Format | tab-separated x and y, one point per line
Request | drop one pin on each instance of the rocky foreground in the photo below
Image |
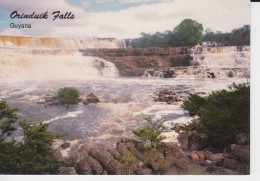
134	158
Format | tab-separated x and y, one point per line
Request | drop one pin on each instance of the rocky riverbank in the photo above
134	158
134	61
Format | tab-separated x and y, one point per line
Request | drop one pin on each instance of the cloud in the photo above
142	1
104	1
223	15
85	4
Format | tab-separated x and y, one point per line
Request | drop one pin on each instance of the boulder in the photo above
233	165
194	156
94	165
65	145
67	171
240	152
57	154
153	165
122	149
107	161
218	157
83	167
115	154
92	98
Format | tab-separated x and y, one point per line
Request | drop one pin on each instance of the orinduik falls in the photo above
125	87
127	82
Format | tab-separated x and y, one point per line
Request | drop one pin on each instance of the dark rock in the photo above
233	164
115	154
240	152
92	98
223	171
194	156
167	149
106	160
94	165
147	171
83	167
187	166
67	171
153	165
218	157
242	139
65	145
68	106
57	154
85	102
122	149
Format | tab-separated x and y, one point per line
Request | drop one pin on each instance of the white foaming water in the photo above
26	58
57	43
25	65
216	57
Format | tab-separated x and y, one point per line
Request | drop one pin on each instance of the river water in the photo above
29	73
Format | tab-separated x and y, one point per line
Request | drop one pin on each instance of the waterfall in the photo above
58	43
52	59
210	60
216	57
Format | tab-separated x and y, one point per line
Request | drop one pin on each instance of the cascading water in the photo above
52	59
210	61
219	57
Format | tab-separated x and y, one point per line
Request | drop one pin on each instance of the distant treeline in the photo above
189	33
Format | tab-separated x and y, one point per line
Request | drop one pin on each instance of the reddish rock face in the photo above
134	61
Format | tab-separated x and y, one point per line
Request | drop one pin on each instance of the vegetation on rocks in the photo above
68	95
222	114
32	155
151	133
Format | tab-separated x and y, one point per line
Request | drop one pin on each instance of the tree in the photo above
151	132
33	155
68	95
188	33
222	114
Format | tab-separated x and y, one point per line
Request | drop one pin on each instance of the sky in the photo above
120	18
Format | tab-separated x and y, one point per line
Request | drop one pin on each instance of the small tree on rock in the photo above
151	132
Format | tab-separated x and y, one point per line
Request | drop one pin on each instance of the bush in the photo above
193	104
127	163
222	115
68	95
31	156
151	133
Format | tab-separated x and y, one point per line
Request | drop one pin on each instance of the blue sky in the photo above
122	18
110	5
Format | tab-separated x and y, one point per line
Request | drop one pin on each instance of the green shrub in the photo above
127	163
31	156
193	103
68	95
223	114
164	166
151	132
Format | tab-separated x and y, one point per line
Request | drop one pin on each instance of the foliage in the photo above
240	36
151	132
150	154
68	95
193	103
223	114
128	161
189	33
31	156
164	166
